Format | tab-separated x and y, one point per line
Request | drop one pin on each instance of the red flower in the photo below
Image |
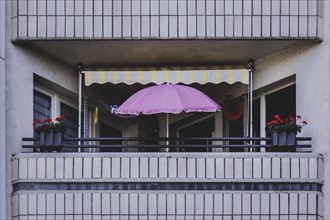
282	121
36	122
48	120
269	123
61	117
298	116
304	122
274	122
277	117
292	118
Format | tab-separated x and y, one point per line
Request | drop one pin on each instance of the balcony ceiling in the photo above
130	53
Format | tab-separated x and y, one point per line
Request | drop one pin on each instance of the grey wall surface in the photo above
144	19
2	114
310	65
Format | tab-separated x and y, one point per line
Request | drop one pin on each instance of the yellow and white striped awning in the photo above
174	75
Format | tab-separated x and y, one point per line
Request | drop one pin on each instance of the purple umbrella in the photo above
167	98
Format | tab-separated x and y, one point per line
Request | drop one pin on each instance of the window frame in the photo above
56	100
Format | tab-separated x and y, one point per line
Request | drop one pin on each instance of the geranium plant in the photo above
293	125
44	126
288	124
48	125
59	125
276	124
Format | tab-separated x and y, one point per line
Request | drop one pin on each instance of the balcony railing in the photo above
175	144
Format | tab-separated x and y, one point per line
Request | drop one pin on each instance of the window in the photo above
50	104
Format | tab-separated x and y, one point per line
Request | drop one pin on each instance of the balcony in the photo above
167	185
53	25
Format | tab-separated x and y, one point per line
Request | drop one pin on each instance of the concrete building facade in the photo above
43	41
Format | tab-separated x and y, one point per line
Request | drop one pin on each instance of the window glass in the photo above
41	106
71	122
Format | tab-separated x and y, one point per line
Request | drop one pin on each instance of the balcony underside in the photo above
128	53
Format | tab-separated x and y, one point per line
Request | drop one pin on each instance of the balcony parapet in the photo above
167	185
168	168
156	19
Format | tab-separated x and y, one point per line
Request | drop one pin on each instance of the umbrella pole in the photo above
167	132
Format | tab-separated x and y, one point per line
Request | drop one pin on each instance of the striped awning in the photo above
174	75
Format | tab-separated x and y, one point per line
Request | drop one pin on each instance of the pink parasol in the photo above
167	98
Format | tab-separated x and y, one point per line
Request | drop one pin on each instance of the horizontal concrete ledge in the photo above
169	155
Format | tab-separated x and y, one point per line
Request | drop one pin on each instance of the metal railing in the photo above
174	143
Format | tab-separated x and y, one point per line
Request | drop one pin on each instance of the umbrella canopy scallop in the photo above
167	98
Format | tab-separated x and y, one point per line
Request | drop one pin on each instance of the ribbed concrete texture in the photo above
130	19
83	185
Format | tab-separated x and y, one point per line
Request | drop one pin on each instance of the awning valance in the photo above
174	75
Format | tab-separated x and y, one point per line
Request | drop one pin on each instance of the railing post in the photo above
126	145
207	145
